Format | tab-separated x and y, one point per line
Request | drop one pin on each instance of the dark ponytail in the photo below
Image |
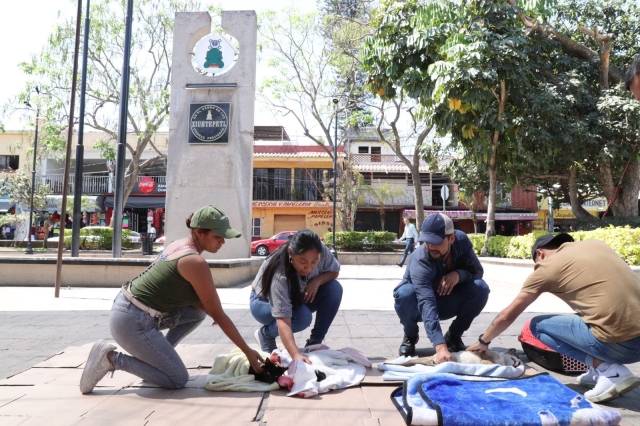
279	261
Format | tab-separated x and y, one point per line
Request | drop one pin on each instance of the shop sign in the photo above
289	204
209	123
146	185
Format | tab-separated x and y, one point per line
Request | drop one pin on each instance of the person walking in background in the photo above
297	279
443	280
411	235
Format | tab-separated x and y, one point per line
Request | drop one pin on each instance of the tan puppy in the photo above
509	358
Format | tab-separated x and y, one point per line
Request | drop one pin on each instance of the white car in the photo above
87	232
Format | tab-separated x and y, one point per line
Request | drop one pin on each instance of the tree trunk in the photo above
493	174
493	187
417	193
382	217
625	202
576	207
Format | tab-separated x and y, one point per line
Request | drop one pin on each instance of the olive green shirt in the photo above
596	283
161	287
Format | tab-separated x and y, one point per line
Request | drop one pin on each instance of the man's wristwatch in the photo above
482	342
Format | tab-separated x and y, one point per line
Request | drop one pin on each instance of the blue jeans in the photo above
326	304
153	357
570	336
407	250
465	303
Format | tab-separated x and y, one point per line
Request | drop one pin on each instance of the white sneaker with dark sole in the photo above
97	366
588	379
613	381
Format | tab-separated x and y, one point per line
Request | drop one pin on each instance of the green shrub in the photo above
361	241
98	239
477	240
607	222
623	240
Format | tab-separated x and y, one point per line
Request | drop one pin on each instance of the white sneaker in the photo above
97	366
613	381
588	379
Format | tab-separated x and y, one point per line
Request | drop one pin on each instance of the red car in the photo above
264	247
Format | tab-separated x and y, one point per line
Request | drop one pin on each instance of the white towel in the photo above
343	368
395	372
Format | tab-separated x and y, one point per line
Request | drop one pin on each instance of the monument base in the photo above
19	271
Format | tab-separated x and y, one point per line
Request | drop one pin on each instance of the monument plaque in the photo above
209	123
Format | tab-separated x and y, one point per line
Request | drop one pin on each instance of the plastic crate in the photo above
546	357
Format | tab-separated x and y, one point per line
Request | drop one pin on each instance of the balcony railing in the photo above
375	158
287	190
91	185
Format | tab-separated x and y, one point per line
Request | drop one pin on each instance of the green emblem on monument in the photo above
214	55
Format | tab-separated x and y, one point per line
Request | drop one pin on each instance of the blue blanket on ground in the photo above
446	399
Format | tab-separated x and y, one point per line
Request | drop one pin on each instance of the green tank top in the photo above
161	287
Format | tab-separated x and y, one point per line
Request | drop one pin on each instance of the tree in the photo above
303	79
472	180
149	81
349	190
465	64
595	40
383	193
16	186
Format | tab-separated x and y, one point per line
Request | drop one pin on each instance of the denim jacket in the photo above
425	273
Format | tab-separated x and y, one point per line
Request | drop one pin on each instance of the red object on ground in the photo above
543	355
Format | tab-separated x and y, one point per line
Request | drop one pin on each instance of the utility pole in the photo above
77	187
335	182
118	195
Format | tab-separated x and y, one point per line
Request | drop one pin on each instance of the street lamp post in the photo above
29	249
335	183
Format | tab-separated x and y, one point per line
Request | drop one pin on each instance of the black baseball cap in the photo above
547	239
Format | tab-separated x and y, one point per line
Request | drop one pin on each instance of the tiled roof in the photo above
293	151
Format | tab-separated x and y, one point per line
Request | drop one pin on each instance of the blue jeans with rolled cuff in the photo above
153	357
325	304
569	335
465	303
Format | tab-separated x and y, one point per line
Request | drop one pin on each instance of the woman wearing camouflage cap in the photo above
175	293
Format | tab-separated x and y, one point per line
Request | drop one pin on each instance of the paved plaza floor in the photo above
44	343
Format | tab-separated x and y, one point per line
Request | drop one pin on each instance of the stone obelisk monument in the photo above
211	125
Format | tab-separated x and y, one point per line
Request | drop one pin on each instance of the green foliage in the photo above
98	239
616	221
361	241
17	187
623	240
150	69
477	240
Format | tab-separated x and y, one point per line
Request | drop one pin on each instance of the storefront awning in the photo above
468	214
139	202
6	205
510	216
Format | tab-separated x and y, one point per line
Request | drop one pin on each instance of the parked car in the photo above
264	247
89	233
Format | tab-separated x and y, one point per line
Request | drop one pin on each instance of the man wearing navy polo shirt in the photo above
443	280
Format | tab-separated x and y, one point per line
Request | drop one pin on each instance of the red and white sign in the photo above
147	184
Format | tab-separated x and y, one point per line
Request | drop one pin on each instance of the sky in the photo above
27	24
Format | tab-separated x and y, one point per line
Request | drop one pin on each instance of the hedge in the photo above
623	240
99	239
362	241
